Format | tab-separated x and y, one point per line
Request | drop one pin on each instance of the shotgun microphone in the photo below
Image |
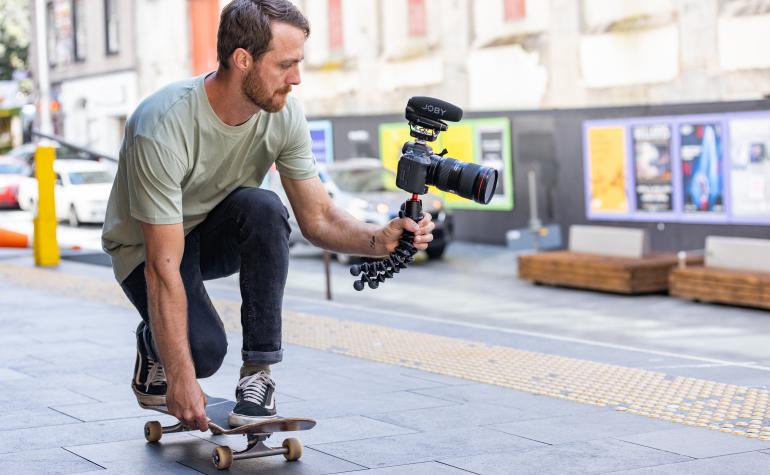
435	109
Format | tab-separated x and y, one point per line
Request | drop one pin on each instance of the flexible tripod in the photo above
375	272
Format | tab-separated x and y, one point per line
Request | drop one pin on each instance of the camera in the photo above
420	167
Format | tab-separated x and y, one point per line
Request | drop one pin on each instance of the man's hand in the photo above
186	401
385	240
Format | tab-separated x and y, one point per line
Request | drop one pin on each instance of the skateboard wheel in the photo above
293	449
222	457
153	431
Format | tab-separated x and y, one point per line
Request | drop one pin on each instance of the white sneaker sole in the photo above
237	420
148	399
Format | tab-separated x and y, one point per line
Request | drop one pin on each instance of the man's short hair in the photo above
247	24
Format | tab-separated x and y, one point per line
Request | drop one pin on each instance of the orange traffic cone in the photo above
13	239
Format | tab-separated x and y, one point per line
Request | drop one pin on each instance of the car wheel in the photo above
436	252
72	217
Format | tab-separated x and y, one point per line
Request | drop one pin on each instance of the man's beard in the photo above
254	89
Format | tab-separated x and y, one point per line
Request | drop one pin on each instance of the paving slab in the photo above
33	418
596	456
427	468
328	385
111	392
368	406
13	399
750	463
137	456
455	416
425	447
104	411
71	435
696	442
49	377
48	461
582	427
175	468
495	395
8	375
404	378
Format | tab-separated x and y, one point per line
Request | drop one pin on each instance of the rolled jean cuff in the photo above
262	357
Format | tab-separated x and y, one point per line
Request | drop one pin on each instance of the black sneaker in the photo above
149	382
255	396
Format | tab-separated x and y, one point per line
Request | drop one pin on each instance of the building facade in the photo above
106	55
368	56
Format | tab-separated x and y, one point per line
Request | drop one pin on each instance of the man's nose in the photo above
294	76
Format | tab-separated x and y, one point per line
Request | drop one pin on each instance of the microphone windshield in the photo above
435	109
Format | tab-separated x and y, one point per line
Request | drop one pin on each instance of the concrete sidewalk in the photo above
431	398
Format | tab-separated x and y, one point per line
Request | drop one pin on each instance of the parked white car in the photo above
81	191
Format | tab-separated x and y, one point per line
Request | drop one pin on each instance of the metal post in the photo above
534	219
45	244
43	81
327	259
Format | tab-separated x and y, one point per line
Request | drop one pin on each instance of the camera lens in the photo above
469	180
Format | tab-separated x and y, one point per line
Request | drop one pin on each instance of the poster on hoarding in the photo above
486	142
606	169
491	145
750	167
653	184
700	152
322	140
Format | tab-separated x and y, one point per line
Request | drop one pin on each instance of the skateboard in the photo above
256	433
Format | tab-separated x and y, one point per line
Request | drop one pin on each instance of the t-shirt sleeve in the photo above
155	177
296	159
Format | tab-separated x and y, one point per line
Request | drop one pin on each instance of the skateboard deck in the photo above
217	410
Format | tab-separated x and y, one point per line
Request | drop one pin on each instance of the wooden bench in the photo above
736	271
601	258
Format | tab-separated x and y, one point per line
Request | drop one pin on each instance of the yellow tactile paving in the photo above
694	402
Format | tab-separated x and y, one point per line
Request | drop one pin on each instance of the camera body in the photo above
413	166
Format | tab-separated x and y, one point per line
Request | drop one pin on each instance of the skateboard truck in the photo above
223	456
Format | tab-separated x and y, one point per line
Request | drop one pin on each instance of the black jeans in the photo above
247	232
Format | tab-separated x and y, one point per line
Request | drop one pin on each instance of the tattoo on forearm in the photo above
372	242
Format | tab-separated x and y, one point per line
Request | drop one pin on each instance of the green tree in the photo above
14	37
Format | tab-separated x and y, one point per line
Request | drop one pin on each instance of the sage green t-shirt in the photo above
178	161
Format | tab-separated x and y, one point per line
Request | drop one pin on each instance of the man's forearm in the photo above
168	322
341	232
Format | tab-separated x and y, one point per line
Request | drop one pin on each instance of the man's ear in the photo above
241	59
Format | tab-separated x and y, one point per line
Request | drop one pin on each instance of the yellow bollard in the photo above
45	244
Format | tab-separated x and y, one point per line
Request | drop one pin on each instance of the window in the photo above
514	10
335	25
111	27
79	25
50	19
417	18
